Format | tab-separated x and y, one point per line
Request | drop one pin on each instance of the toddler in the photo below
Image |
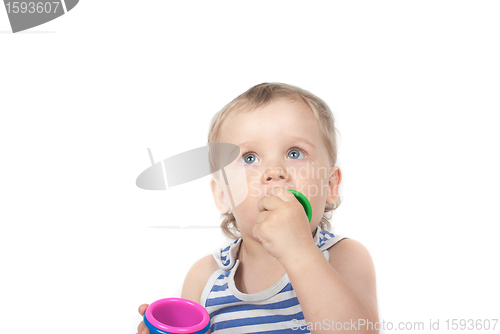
282	274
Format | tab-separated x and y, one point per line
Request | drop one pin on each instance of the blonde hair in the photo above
261	95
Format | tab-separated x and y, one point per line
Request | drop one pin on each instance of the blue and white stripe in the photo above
275	310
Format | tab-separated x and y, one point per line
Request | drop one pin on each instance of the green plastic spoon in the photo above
305	203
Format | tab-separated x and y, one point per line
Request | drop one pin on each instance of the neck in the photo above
252	251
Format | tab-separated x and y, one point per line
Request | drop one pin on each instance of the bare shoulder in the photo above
348	252
197	278
353	262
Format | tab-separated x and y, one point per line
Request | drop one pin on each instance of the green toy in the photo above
305	203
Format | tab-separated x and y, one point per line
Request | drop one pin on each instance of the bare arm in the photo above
340	289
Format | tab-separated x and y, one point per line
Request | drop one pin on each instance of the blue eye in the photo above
295	153
249	158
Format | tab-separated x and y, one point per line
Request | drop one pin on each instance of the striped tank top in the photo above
275	310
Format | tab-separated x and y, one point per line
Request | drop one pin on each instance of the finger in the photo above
142	328
269	203
257	231
262	216
281	193
143	308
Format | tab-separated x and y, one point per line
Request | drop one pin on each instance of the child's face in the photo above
286	149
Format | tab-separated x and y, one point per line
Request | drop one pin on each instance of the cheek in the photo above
316	192
318	210
247	211
255	192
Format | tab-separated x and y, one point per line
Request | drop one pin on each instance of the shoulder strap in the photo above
226	257
326	239
209	285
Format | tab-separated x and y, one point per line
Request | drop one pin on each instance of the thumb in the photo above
143	308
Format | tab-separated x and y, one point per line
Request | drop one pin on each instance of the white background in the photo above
414	87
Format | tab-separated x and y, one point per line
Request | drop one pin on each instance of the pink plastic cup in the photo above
176	316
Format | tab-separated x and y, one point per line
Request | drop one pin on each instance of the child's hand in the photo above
282	225
142	329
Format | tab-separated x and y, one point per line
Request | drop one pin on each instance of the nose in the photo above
275	174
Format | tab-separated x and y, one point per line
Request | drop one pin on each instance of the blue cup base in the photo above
154	330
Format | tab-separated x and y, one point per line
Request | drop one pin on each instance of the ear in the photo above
333	185
219	197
